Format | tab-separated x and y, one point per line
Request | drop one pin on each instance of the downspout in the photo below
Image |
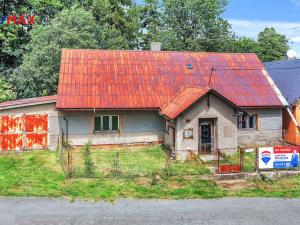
65	118
67	129
174	136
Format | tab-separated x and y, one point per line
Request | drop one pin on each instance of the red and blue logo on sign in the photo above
25	20
266	156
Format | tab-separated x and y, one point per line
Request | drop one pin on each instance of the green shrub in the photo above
88	162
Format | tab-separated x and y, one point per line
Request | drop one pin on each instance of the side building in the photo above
286	75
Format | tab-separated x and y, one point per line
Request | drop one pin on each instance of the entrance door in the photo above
206	135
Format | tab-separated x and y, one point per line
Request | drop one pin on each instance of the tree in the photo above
244	45
13	38
6	92
272	45
12	42
194	25
38	75
118	17
150	22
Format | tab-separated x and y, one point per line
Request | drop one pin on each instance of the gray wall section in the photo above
79	124
135	127
226	127
148	126
270	119
143	123
268	132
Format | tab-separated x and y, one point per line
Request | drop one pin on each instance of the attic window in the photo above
189	66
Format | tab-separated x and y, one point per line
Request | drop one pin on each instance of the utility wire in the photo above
224	69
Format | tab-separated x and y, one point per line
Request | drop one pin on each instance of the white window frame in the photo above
110	124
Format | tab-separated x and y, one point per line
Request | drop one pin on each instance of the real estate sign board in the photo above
282	157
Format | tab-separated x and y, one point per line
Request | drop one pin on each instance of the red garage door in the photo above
23	132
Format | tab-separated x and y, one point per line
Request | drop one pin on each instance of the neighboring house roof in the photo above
28	102
187	97
115	79
286	75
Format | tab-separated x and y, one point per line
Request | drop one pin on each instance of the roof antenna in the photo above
211	74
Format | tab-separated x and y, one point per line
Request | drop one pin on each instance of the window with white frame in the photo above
106	123
247	122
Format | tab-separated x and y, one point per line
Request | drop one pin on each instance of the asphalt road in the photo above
227	211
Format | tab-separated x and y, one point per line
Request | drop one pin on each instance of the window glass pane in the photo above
244	122
115	123
239	122
252	121
105	122
97	123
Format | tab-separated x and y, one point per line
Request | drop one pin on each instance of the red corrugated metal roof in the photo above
28	101
182	101
185	98
109	79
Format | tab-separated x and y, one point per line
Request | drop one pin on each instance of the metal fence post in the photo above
168	158
256	159
69	164
242	154
116	164
218	156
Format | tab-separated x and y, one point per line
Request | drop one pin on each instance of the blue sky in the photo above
249	17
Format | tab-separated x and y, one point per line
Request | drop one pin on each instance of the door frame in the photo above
213	122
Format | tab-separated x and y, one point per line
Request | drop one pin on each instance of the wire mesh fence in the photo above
152	161
128	163
236	160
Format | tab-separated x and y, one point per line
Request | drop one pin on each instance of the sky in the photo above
249	17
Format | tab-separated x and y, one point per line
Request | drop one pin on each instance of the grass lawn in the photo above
39	174
132	163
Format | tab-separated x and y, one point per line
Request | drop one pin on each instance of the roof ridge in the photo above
182	89
162	51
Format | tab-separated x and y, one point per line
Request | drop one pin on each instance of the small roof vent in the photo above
189	66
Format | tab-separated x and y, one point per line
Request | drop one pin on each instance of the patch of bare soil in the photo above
174	185
143	181
233	185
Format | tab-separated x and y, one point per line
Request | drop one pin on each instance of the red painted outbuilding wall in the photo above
23	132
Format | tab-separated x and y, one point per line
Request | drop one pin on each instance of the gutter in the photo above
27	104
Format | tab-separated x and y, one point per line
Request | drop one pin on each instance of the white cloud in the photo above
295	39
251	28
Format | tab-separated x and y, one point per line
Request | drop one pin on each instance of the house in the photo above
188	100
286	75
